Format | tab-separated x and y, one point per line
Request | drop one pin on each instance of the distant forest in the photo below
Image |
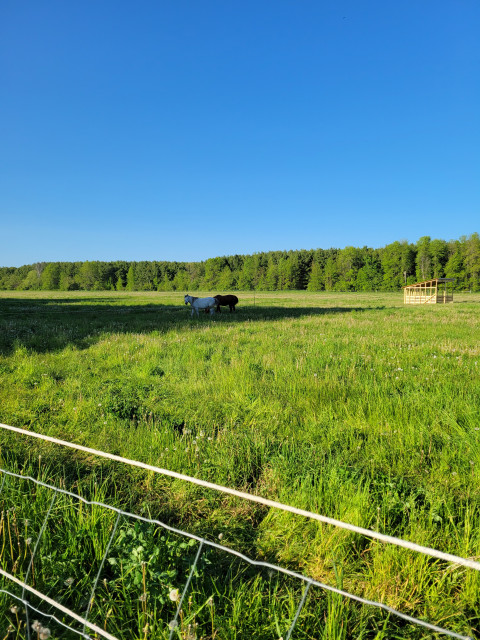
348	269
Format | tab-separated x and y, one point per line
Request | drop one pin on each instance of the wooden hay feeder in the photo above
438	290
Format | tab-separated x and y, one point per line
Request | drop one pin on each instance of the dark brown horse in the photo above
226	301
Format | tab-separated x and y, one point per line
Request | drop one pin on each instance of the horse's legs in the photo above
218	309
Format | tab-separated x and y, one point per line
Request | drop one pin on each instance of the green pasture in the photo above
350	405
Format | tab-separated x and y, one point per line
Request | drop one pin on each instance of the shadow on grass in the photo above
48	324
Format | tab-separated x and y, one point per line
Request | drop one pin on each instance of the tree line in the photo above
349	269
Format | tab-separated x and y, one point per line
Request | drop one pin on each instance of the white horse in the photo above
201	303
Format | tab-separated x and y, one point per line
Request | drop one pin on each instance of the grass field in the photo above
350	405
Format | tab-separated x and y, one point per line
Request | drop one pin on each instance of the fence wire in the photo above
375	535
203	543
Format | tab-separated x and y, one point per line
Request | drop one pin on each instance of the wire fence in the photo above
203	545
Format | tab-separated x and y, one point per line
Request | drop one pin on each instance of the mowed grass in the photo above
350	405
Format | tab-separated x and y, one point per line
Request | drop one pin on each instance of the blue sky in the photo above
183	130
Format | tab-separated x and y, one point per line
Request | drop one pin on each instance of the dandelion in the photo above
210	601
173	624
44	633
36	626
14	609
143	597
146	629
174	595
28	541
68	582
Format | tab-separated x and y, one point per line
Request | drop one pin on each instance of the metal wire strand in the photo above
256	563
30	564
94	588
299	608
185	589
28	606
376	535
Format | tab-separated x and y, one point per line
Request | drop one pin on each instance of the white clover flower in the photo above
36	626
68	582
220	536
14	609
174	595
44	633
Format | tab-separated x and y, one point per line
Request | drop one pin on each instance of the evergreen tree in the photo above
348	264
330	274
315	281
130	278
247	275
120	286
226	280
271	276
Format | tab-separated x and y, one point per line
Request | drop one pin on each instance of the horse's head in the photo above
188	299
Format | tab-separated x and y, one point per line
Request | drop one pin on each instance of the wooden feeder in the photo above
438	290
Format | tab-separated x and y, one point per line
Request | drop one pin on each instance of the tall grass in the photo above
351	405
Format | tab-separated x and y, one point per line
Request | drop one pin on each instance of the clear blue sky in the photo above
187	129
